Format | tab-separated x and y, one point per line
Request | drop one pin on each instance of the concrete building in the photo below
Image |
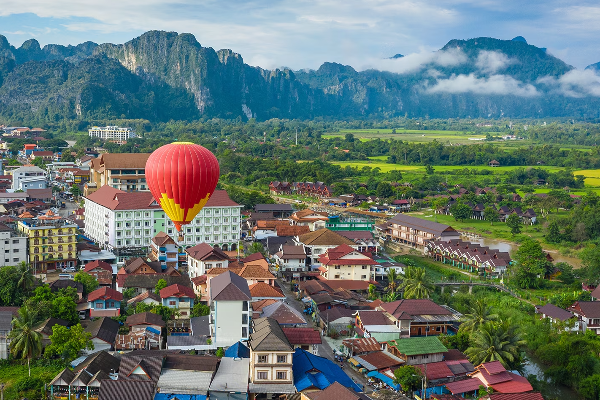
28	178
415	232
12	246
52	243
120	171
202	257
230	310
317	242
120	221
344	262
111	133
105	302
164	250
270	359
179	297
291	258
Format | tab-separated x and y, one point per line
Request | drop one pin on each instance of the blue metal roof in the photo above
319	372
174	396
238	350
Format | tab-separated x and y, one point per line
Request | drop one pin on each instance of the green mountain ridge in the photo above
165	75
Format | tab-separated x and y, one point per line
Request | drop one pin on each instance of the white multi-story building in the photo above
13	248
126	220
112	133
28	178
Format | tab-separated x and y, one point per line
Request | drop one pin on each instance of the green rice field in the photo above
421	136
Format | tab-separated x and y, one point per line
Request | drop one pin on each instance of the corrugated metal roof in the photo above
232	376
184	382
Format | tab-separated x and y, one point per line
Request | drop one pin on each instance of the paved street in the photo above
324	348
70	206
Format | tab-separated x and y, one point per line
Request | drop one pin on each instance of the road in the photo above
70	206
324	349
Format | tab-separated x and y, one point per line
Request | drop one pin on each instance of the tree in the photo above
440	203
372	292
220	352
461	211
384	190
496	342
89	282
590	258
67	343
160	285
165	312
128	293
64	307
26	278
566	273
553	235
409	377
200	309
362	191
25	341
415	284
256	247
513	221
479	314
589	387
392	278
491	215
429	169
75	191
531	263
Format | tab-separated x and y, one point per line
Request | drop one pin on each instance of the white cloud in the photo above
494	85
417	61
575	83
490	62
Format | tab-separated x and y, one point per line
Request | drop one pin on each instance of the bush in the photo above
28	383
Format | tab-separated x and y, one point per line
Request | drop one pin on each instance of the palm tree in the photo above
479	315
416	284
496	342
372	292
25	277
24	339
392	277
392	296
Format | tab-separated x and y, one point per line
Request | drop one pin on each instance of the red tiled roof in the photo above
199	280
347	283
177	290
116	199
516	396
294	230
253	257
202	251
105	293
464	386
436	370
493	367
380	360
255	272
335	257
257	306
302	335
97	264
414	307
517	384
373	318
262	289
362	345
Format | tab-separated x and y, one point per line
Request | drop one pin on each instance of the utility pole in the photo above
296	136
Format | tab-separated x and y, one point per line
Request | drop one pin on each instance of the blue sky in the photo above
304	34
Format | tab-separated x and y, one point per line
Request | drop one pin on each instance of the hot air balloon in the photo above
182	177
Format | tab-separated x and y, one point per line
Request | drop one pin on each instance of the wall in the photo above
228	322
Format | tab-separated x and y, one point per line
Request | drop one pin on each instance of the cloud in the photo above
494	85
490	62
417	61
16	33
575	83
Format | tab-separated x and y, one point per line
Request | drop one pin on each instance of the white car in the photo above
69	269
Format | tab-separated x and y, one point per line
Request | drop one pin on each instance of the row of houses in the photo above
470	256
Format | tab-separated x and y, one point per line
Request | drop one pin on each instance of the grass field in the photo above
410	135
592	176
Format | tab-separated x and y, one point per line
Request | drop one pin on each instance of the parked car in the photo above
69	269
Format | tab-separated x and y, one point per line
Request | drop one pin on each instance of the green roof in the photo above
418	345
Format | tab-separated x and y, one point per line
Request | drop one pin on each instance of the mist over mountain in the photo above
165	75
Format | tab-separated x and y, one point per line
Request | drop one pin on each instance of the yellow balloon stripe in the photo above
179	214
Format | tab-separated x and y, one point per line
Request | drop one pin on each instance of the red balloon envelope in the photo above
182	177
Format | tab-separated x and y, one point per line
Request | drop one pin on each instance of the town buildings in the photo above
415	232
28	177
179	297
52	243
230	310
164	250
120	220
13	247
203	257
317	242
112	133
344	262
105	302
120	171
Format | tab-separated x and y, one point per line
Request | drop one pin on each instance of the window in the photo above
16	259
244	319
282	359
262	375
262	360
337	267
171	302
282	375
99	305
364	267
244	332
363	277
